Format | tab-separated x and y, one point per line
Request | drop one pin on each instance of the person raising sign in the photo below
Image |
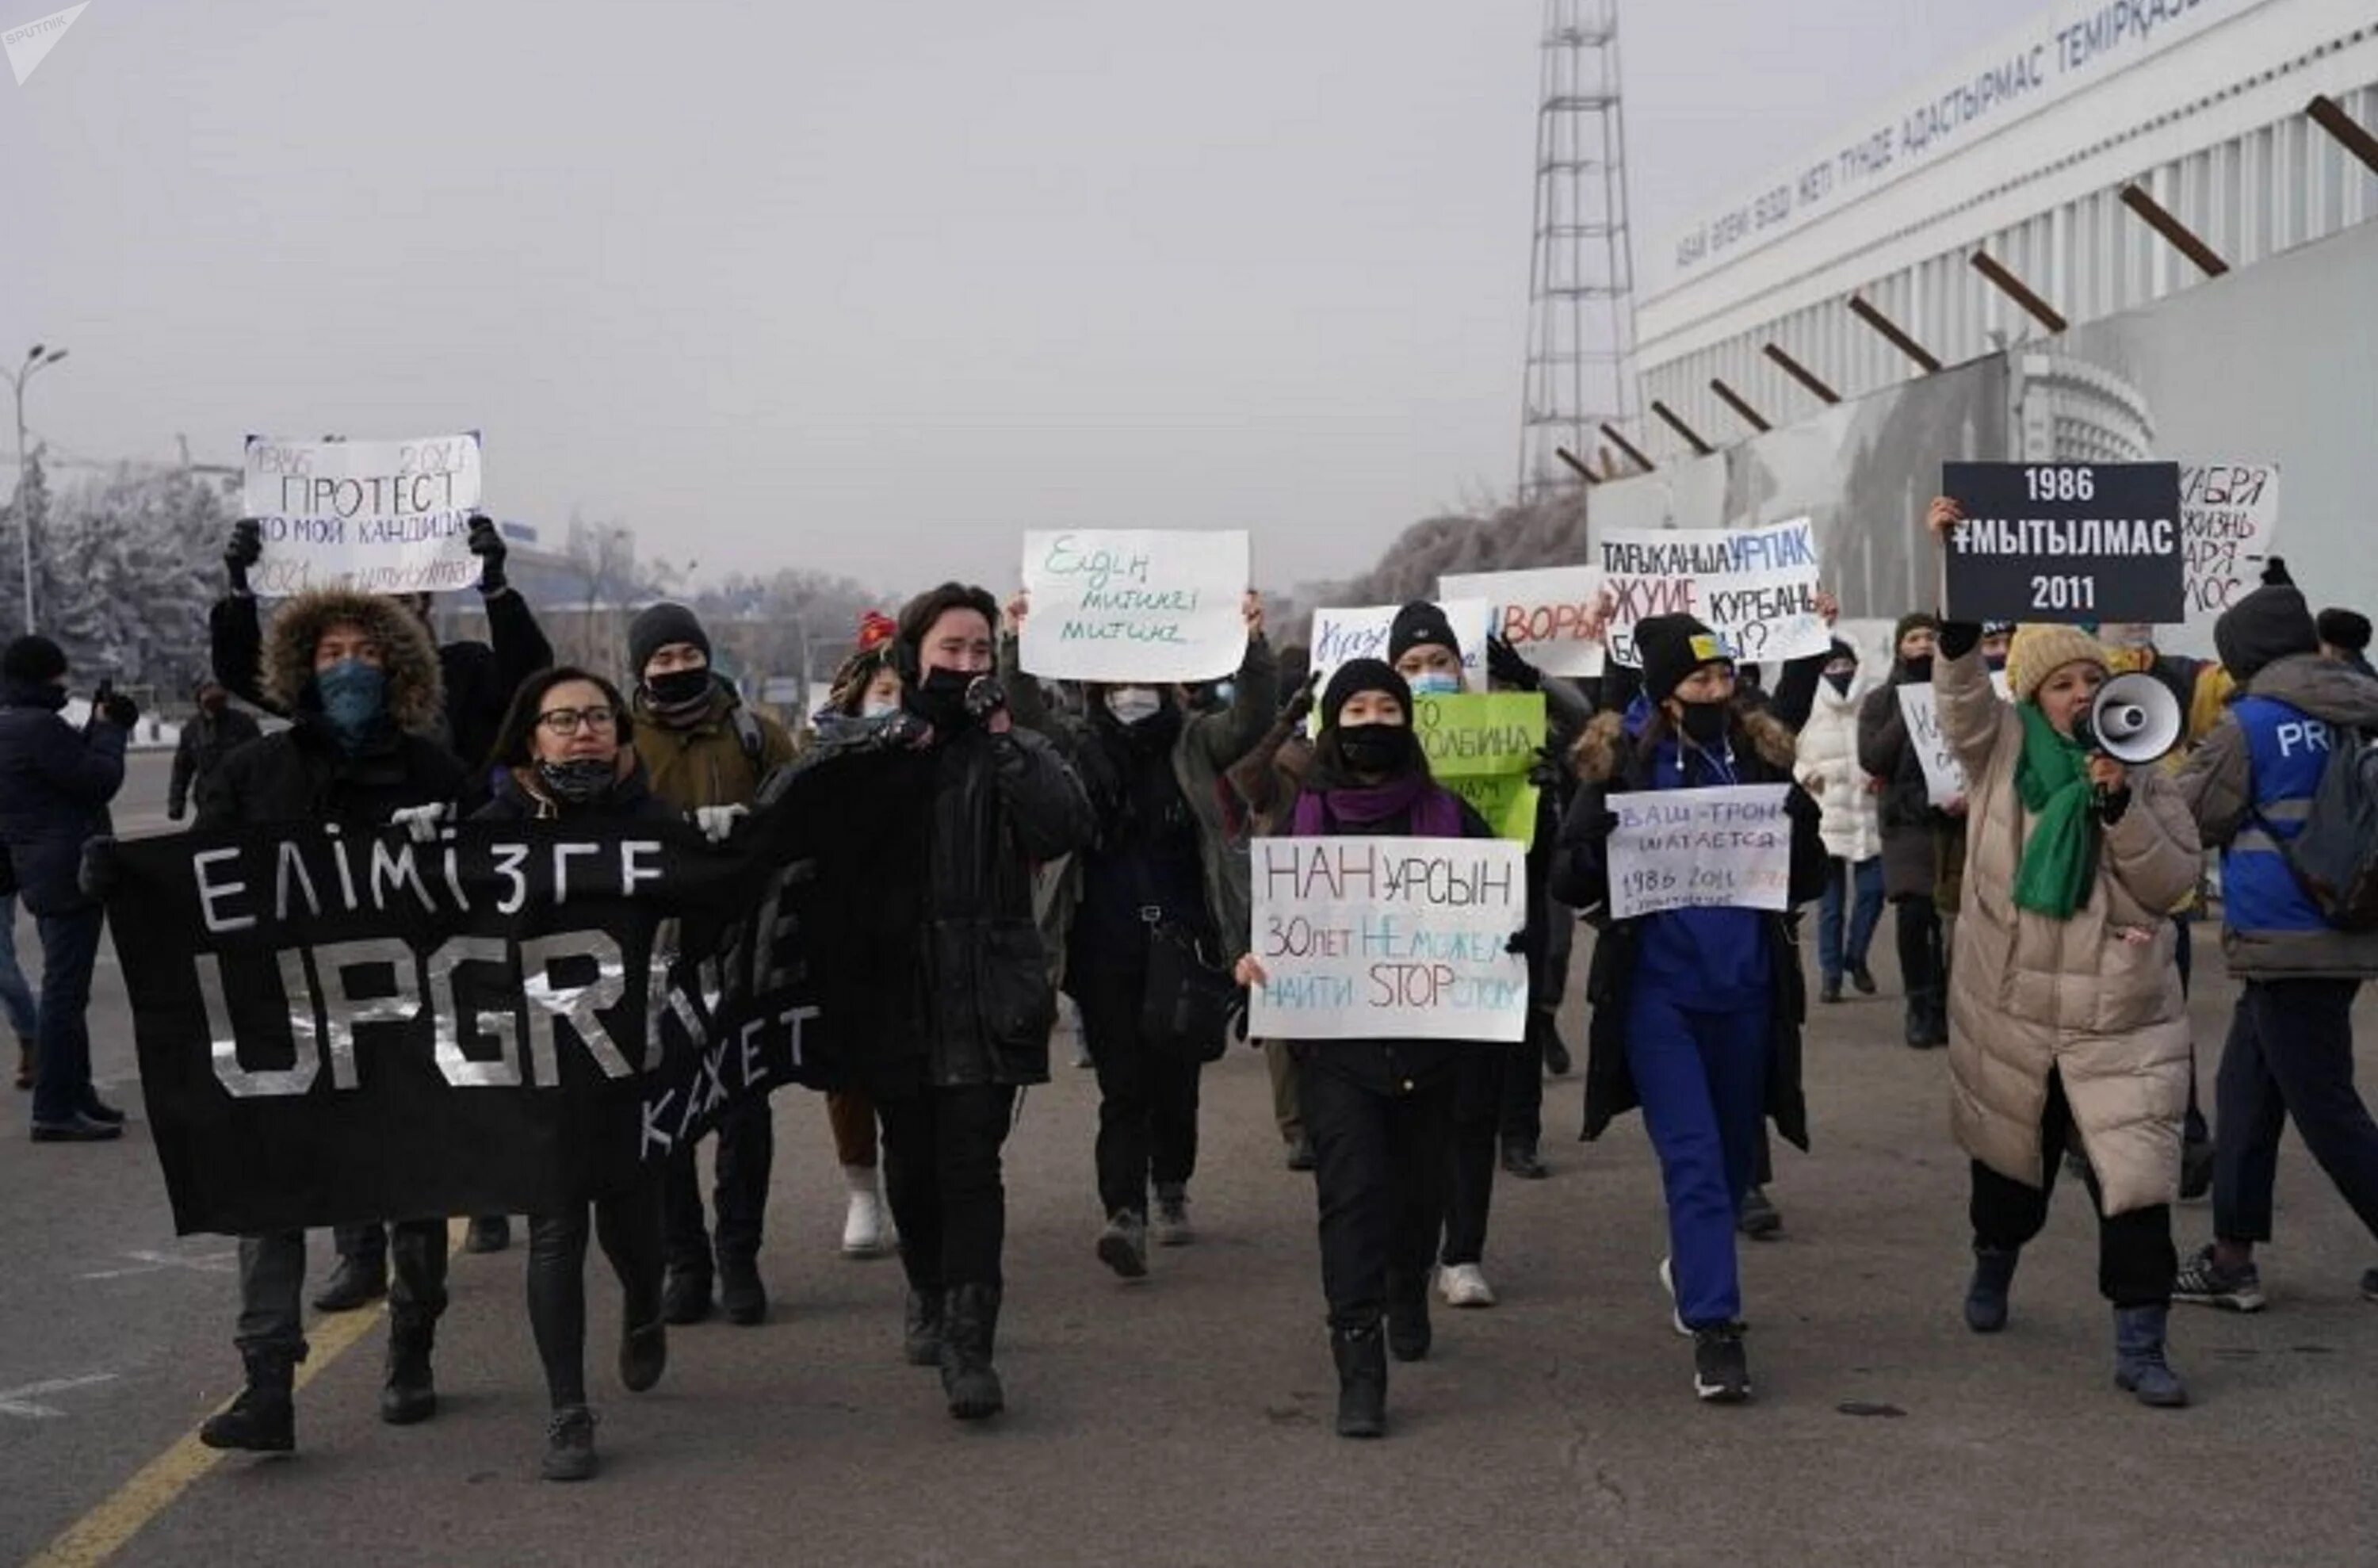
1379	1111
1697	1012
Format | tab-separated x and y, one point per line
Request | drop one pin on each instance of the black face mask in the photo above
678	687
1919	670
1704	724
940	698
1376	748
1840	681
579	781
1996	662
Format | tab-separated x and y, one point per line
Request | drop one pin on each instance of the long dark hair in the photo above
515	741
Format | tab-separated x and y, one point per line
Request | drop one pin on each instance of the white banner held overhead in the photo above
1135	605
1727	848
1542	614
378	517
1340	636
1756	588
2228	526
1389	939
1944	776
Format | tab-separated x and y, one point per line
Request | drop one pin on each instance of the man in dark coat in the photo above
1912	827
56	782
214	732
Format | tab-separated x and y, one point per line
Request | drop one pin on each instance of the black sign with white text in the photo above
2066	542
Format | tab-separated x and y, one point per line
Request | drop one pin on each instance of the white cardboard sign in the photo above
1723	848
1135	605
378	517
1542	614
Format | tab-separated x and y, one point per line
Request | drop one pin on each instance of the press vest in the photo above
2288	750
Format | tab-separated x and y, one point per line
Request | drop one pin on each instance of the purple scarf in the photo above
1436	813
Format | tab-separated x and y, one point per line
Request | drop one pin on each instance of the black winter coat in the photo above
1912	826
56	782
479	678
1609	761
946	954
300	775
205	743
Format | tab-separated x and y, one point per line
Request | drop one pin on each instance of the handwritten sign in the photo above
1542	614
2228	524
1340	636
2066	542
1728	848
1132	605
1389	939
379	517
1756	588
1944	776
1482	748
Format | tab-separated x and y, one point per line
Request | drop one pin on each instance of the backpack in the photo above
2335	859
755	743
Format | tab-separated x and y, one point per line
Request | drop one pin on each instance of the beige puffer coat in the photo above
2095	997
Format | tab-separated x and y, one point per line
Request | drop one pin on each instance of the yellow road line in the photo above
102	1533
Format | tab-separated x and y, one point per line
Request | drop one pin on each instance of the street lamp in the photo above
37	358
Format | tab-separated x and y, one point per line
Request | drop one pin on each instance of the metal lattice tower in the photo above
1580	366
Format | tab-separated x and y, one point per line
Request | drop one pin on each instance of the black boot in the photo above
355	1283
920	1338
410	1394
969	1331
741	1295
488	1233
643	1354
1409	1331
1986	1298
1939	1018
263	1419
1362	1356
1919	1020
685	1298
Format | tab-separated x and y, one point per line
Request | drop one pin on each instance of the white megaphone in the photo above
2135	721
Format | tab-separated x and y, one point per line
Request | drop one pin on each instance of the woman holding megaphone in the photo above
2067	1019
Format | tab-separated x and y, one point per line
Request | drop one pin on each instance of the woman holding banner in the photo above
564	756
1379	1111
2068	1015
1697	1011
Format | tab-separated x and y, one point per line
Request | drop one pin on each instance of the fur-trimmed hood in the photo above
415	689
1597	755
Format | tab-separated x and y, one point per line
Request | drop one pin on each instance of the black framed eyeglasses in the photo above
569	721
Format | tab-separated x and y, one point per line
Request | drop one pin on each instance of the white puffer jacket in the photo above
1828	770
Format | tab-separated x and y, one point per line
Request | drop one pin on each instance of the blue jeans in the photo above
1702	1077
1863	915
15	995
62	1043
2290	1057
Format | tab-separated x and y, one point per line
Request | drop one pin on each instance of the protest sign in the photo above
1542	614
1725	848
2228	524
1944	776
1482	748
1389	939
1756	588
1135	604
378	517
2066	542
1340	636
335	1027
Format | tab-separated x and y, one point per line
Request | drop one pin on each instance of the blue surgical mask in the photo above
880	707
1435	683
354	695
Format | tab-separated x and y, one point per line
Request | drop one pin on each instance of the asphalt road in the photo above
1185	1420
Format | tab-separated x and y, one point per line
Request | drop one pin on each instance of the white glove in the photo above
422	822
718	822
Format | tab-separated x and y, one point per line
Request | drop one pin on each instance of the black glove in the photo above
2277	576
120	711
96	875
1518	944
1504	665
245	549
176	812
985	697
488	544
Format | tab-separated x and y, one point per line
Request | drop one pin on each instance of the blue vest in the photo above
2288	750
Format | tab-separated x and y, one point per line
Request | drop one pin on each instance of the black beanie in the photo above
1913	620
1357	676
2346	629
2269	624
1672	647
1419	624
1841	650
34	659
658	626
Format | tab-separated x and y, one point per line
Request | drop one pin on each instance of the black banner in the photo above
2066	542
335	1027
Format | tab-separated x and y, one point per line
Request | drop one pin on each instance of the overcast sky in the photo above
864	287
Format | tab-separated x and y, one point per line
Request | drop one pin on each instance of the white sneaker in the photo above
1668	1284
867	1229
1464	1285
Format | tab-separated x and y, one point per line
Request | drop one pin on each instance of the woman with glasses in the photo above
563	755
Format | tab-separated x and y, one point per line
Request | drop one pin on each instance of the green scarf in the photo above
2060	860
